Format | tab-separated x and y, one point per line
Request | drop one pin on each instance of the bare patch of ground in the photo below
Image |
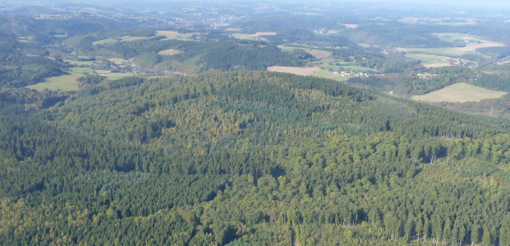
170	52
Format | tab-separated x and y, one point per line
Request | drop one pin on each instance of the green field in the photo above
319	54
329	75
441	51
470	48
347	67
118	61
114	76
65	82
359	69
106	41
132	38
82	70
429	60
176	35
460	92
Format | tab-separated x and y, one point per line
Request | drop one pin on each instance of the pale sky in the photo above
459	3
505	4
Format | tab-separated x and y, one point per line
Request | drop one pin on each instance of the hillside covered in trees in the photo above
247	158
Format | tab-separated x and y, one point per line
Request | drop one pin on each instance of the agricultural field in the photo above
82	70
65	82
131	38
251	37
106	41
118	61
170	52
176	35
460	92
472	45
102	72
265	34
114	76
431	61
442	51
303	71
320	54
347	68
258	36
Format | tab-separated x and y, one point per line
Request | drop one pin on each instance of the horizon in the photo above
491	4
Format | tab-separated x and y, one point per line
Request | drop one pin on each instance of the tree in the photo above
486	238
475	234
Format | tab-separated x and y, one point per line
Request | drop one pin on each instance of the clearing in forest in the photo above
431	61
320	54
118	61
170	52
472	44
106	41
265	34
460	92
132	38
114	76
304	71
65	82
177	35
258	36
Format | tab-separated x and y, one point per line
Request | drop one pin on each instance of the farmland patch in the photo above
304	71
460	92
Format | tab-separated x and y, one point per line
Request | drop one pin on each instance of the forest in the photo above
248	158
171	131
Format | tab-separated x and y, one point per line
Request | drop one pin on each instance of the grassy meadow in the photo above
65	82
460	92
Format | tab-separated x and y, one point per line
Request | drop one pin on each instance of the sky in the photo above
458	3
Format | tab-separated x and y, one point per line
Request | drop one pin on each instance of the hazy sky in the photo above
460	3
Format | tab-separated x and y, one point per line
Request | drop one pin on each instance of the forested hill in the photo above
248	158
